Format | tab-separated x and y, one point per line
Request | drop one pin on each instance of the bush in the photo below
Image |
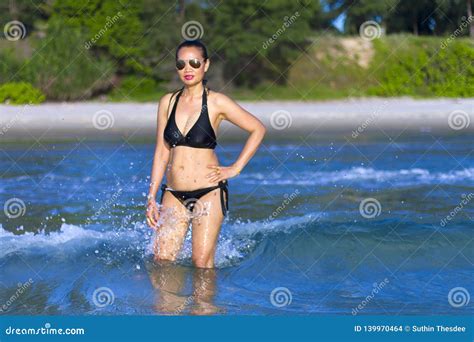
20	93
137	89
419	66
10	65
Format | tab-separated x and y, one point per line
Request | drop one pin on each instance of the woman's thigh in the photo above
206	225
172	230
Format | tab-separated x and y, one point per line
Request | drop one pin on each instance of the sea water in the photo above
380	225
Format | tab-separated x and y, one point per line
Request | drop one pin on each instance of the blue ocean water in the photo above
380	225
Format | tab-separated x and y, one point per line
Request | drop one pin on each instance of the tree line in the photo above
132	42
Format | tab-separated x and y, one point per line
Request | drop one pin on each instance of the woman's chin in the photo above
191	82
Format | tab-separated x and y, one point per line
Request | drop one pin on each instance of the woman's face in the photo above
189	75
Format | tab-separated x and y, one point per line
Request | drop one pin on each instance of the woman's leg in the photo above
206	228
204	284
171	233
168	279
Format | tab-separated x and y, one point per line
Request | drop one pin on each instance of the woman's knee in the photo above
165	256
165	249
203	260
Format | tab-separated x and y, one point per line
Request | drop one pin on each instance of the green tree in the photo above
359	11
450	14
114	27
26	11
259	40
63	69
162	21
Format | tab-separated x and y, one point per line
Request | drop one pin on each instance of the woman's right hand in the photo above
152	213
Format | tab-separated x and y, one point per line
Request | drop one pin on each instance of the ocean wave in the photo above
360	174
68	236
236	241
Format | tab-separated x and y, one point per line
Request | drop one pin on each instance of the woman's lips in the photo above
188	77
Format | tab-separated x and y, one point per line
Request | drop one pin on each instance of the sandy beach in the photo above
138	120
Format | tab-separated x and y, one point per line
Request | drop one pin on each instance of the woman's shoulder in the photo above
166	98
219	98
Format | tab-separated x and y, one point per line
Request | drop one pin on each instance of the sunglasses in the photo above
194	62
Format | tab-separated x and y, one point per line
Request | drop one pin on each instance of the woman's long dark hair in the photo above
191	43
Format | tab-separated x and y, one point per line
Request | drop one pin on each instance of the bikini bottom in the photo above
189	198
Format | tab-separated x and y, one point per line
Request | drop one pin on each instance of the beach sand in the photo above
138	120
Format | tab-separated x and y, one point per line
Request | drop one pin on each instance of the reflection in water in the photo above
169	280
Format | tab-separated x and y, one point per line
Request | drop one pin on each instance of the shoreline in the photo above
105	120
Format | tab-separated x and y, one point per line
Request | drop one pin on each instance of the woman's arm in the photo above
234	113
162	151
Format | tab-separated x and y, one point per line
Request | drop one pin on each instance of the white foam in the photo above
68	234
402	176
235	241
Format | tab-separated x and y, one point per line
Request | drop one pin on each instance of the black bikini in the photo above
201	135
189	198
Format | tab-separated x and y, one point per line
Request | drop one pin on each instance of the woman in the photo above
196	190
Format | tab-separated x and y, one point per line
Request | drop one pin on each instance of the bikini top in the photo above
201	135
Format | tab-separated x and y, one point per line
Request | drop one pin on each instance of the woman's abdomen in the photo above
187	168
